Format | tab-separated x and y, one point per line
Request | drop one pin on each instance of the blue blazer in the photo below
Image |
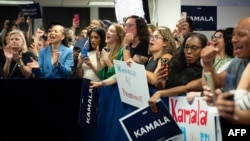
48	70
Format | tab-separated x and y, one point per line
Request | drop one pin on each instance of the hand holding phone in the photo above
77	19
184	15
84	51
164	61
210	83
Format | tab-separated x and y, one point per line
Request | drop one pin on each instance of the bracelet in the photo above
79	66
103	83
20	66
201	94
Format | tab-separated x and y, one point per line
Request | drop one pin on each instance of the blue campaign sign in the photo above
31	10
204	17
88	106
144	125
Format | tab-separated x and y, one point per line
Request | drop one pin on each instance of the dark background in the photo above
63	15
40	110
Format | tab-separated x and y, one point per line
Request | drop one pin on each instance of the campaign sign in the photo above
203	17
145	125
88	105
31	10
132	83
198	121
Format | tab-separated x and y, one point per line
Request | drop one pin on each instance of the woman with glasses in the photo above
135	42
184	72
111	108
162	48
222	41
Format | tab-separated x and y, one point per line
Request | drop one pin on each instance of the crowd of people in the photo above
56	52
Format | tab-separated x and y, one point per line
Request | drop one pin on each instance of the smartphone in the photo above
84	51
77	19
184	15
164	61
210	83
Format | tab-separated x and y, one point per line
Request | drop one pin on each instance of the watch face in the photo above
128	47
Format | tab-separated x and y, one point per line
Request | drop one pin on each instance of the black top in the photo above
13	66
140	49
151	66
2	60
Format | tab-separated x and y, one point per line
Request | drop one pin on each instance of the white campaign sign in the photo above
132	83
198	121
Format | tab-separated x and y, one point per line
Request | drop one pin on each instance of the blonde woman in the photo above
17	56
113	50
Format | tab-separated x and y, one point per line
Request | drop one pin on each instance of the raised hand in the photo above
7	53
129	37
33	63
55	57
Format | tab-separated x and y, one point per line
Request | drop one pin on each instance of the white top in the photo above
88	73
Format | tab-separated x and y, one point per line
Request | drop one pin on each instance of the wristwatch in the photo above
21	65
128	47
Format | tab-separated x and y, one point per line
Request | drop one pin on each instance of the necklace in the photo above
54	50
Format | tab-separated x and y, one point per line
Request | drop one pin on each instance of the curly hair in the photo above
168	36
179	72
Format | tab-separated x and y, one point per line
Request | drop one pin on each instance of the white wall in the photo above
168	12
227	16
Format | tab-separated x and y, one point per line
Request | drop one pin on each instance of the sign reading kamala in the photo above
197	120
31	10
144	125
88	105
204	17
132	83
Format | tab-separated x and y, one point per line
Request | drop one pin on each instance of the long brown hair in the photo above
120	35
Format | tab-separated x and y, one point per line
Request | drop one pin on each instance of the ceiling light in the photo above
101	4
15	2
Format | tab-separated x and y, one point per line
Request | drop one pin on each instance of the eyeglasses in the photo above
128	25
216	37
155	37
192	48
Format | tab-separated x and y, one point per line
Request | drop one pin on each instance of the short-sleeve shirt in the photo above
236	67
140	49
